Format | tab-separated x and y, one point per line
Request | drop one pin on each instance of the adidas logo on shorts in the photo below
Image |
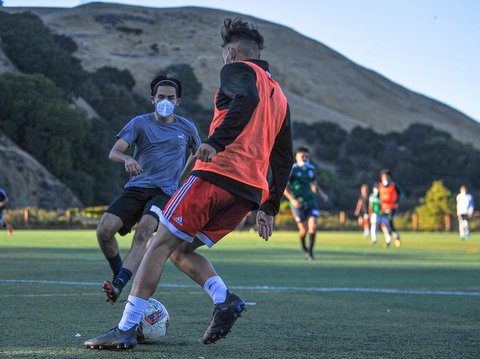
178	220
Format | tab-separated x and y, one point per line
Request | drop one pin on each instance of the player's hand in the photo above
132	166
264	224
296	203
205	153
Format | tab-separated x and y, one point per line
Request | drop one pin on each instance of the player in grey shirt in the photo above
161	140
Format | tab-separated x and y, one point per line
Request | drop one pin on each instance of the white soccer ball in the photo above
154	324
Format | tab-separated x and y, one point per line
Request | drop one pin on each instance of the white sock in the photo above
388	237
133	312
373	232
216	289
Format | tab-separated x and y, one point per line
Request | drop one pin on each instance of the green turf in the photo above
41	320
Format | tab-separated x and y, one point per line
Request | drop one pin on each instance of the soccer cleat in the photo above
112	290
397	242
114	339
387	245
310	257
224	316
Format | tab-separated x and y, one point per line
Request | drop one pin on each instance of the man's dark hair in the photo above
302	150
386	172
240	30
163	80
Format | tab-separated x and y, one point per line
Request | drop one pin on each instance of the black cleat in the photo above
224	316
112	290
114	339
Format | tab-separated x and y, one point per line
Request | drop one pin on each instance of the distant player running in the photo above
3	202
361	209
464	212
301	190
249	134
390	195
374	212
161	140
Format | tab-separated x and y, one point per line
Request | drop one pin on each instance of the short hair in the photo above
163	80
386	172
302	150
240	30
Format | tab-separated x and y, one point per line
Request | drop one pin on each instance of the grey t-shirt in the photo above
160	150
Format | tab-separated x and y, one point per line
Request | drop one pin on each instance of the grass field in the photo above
297	314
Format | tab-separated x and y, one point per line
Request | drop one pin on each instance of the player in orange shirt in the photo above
390	195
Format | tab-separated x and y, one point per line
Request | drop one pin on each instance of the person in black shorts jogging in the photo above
161	139
361	210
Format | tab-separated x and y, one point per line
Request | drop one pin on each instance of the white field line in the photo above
273	288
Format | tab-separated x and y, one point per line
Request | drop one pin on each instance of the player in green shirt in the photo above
374	212
301	191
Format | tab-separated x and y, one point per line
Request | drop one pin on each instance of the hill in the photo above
29	183
321	84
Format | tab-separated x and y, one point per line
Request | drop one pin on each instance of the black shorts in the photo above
134	202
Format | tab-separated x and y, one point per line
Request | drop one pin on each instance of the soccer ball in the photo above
154	324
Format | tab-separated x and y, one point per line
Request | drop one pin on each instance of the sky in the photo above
428	46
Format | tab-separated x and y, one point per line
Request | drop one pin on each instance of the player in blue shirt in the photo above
3	202
160	140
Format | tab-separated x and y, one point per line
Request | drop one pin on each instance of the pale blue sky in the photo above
429	46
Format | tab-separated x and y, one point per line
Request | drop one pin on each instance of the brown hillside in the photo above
321	84
28	183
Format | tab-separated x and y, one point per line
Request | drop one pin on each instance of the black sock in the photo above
123	277
304	245
312	242
115	264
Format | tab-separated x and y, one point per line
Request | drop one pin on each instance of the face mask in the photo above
386	183
375	191
164	108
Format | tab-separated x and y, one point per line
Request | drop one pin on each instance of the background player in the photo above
3	203
300	191
390	195
361	210
464	212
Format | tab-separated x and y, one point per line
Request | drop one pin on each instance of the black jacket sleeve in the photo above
239	92
281	162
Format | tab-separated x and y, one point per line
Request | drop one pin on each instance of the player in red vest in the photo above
390	195
249	138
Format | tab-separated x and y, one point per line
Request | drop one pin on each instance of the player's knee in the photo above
142	234
103	232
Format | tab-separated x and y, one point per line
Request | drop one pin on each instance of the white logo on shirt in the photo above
179	220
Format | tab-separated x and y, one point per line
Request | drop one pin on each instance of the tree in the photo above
438	202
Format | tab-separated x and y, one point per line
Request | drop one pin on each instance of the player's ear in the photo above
153	100
177	101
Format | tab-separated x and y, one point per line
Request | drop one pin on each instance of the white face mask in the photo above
164	108
375	191
386	183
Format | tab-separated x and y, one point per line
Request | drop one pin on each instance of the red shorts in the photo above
201	209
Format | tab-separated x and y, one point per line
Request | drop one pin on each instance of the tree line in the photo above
37	114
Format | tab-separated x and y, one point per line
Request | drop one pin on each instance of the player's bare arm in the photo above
291	198
188	168
117	154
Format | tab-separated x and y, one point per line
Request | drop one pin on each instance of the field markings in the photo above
273	288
